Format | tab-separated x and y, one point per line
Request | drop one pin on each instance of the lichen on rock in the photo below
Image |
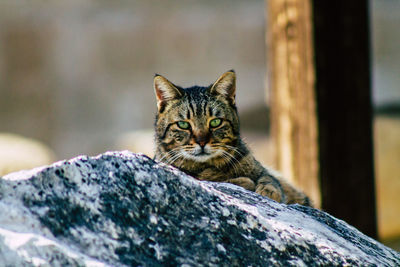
124	209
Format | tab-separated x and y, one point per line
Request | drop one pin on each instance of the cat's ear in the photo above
165	91
225	86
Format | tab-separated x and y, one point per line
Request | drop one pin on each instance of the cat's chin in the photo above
203	157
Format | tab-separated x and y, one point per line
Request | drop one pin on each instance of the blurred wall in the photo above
76	74
386	93
385	15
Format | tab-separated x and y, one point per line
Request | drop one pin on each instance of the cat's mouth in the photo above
201	151
201	154
202	157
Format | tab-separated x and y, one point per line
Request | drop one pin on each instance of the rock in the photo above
123	209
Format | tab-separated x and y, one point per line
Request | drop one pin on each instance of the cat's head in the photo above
198	124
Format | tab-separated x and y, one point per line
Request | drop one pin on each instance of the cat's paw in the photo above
244	182
269	190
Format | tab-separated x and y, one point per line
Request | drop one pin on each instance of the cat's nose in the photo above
202	143
202	139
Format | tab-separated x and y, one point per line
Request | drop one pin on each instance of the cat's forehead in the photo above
198	102
195	106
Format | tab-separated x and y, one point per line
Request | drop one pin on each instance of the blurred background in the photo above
76	78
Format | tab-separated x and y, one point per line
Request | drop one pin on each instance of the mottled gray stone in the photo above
123	209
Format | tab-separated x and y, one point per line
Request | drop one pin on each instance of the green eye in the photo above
183	124
215	123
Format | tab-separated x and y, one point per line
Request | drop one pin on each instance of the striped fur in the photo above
212	153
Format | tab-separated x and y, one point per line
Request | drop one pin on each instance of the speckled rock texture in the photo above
123	209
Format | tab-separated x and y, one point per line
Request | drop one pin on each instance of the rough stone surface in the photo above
123	209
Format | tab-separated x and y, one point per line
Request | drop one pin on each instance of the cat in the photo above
197	131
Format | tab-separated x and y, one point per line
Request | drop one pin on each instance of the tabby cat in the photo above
197	131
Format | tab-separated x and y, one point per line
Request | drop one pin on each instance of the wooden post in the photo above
322	127
342	61
291	80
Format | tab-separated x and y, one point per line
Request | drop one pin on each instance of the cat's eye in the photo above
183	125
215	123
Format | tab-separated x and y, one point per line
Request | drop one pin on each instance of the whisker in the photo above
234	162
174	158
228	158
169	153
237	150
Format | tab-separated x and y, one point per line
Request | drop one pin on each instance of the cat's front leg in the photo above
244	182
270	187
